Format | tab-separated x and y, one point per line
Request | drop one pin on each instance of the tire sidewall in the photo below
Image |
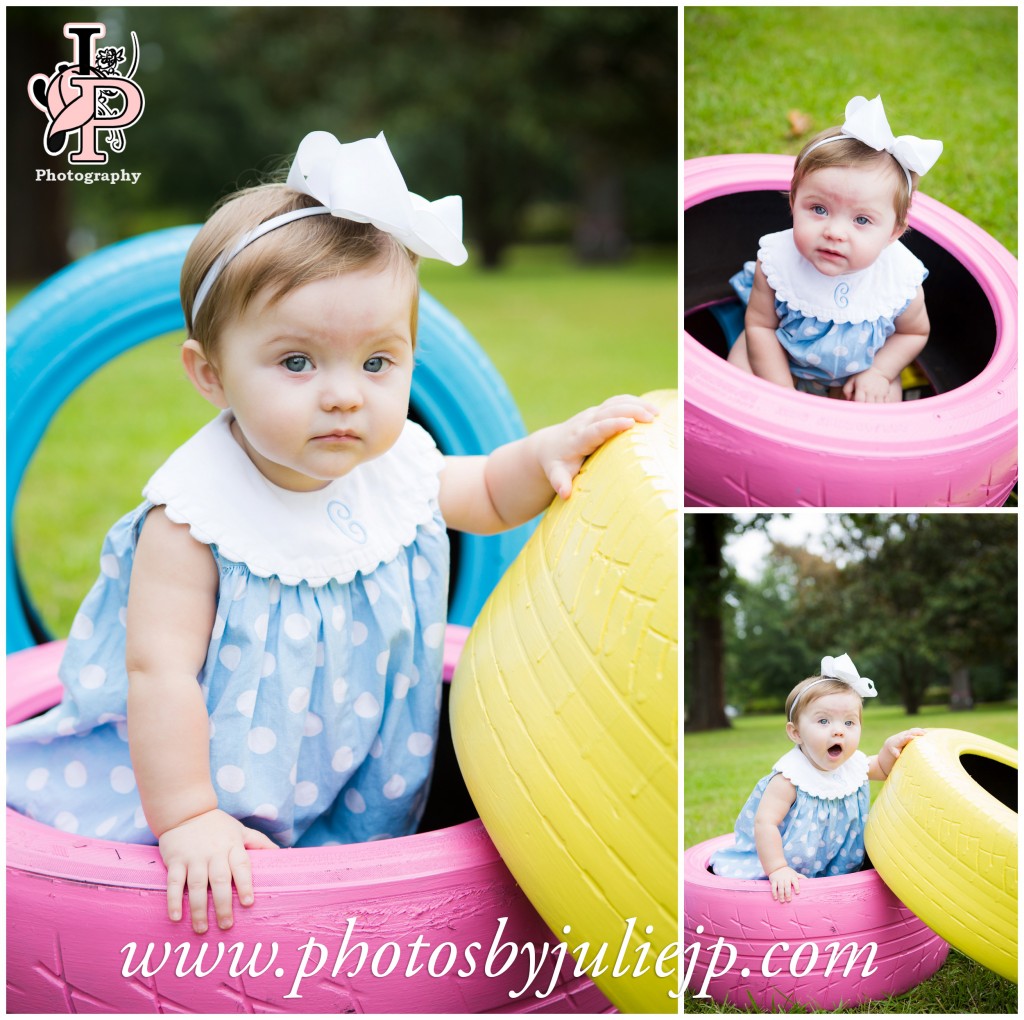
749	442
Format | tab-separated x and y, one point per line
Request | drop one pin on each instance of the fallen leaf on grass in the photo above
799	123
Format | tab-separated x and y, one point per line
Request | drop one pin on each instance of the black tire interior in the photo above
449	802
722	233
993	776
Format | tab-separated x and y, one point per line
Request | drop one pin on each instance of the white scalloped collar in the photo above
351	526
847	779
881	290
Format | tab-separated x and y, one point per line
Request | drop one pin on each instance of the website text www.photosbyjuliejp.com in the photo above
781	958
392	959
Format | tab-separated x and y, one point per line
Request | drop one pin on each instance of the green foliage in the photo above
912	597
507	106
943	72
960	986
769	642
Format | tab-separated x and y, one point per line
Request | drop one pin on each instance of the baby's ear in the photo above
202	372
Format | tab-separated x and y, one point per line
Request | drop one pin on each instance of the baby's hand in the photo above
785	881
209	850
895	744
869	386
564	447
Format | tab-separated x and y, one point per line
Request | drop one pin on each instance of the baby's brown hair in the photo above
306	250
849	152
821	688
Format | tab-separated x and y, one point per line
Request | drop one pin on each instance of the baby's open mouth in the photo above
835	751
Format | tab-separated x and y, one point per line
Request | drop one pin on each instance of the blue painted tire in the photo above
127	293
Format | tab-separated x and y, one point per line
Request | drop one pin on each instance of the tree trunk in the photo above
38	212
706	703
910	688
600	234
961	698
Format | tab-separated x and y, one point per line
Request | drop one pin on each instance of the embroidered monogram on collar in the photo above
340	515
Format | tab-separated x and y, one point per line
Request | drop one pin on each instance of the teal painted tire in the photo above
127	293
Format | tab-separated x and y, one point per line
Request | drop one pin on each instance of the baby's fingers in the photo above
241	864
256	840
175	890
198	880
627	405
599	432
561	478
220	886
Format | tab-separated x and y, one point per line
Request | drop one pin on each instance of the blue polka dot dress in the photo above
833	326
323	675
822	833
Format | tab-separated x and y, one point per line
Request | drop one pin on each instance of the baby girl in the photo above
834	304
807	816
259	664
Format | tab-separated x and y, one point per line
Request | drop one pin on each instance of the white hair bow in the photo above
842	668
361	181
866	121
358	181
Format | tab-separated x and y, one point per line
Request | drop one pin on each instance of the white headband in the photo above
866	122
359	181
839	668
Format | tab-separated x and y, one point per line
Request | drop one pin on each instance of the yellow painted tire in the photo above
943	835
564	713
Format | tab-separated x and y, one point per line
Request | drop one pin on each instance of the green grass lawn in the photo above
721	768
959	986
562	336
943	72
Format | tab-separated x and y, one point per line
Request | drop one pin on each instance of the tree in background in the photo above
706	578
39	221
768	647
934	592
515	108
919	598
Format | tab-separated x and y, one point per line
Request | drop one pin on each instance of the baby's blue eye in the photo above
297	363
862	221
375	365
818	210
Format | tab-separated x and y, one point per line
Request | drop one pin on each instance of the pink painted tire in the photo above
782	950
74	904
750	443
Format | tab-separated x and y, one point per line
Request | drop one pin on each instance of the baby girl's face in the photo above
843	217
319	381
828	730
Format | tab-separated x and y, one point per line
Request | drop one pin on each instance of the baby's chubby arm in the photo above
880	765
880	382
485	495
777	799
768	358
171	608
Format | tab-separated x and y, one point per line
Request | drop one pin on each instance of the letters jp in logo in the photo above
88	95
